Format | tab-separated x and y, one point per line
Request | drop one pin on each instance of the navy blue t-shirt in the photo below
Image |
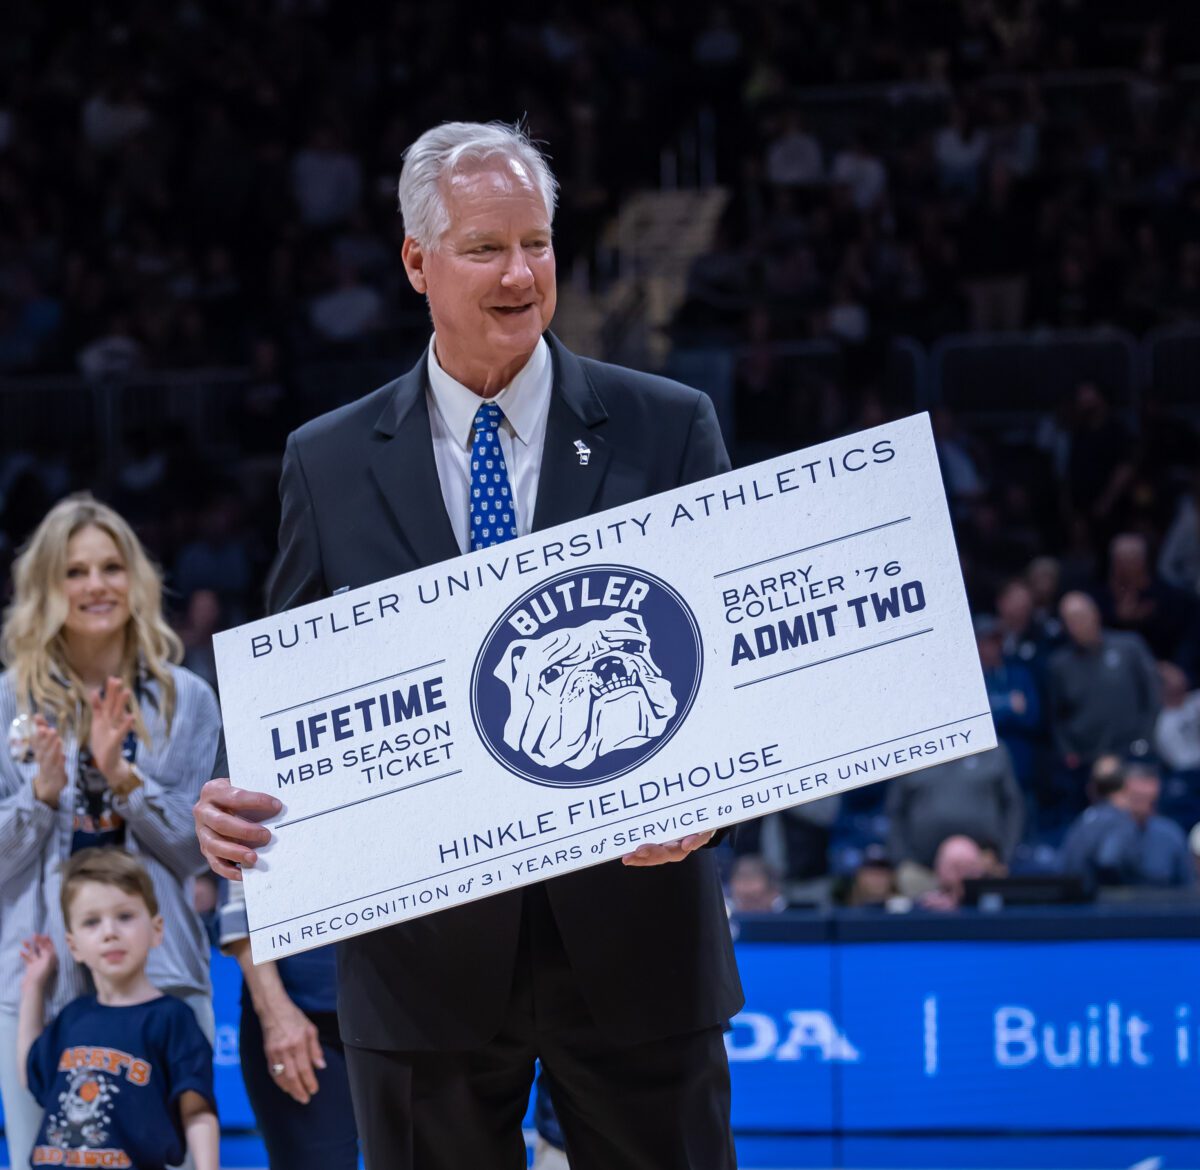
110	1079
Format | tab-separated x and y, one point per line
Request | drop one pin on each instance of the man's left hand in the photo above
672	851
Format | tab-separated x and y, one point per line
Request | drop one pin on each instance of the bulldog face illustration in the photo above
577	694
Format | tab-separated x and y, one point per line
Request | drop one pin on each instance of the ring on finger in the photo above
277	1070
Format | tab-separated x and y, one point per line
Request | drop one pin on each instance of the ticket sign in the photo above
701	657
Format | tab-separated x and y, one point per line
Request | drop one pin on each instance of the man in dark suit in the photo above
619	977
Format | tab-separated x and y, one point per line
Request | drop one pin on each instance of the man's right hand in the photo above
228	828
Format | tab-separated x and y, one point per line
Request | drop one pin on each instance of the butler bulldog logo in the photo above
586	675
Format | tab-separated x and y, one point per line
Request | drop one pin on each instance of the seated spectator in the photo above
754	887
1105	776
1120	841
874	881
326	180
960	148
975	796
795	842
1194	848
794	157
113	354
1013	697
1135	599
33	317
1177	746
862	172
997	233
1179	556
1099	459
1043	575
1177	731
219	557
349	311
1103	697
961	466
202	620
959	859
1025	635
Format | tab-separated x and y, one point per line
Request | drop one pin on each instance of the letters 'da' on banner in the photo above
691	660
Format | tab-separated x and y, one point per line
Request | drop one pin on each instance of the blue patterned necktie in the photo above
493	511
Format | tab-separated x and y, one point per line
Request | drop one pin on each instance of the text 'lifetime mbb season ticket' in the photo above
701	657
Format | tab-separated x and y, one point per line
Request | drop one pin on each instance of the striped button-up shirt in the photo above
35	840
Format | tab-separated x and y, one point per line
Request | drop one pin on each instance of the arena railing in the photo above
1006	381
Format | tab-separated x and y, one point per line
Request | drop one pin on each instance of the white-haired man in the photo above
620	977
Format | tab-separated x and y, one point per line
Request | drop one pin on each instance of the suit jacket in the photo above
361	501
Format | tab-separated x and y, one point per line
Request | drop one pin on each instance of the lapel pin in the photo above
585	452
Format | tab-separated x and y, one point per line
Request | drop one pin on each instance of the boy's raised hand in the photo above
37	953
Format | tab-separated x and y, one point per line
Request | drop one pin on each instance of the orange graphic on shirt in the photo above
50	1156
110	1060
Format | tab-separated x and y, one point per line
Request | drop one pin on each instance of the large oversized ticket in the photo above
698	658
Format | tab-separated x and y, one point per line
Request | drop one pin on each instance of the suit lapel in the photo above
567	487
404	468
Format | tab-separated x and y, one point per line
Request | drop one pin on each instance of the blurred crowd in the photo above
192	184
182	181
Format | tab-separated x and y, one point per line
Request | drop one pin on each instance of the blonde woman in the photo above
109	744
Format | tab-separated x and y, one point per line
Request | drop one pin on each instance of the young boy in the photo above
125	1075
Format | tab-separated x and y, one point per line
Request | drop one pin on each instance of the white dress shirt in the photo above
452	409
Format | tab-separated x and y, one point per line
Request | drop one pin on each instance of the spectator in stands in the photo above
1177	745
1013	697
114	114
997	235
962	466
959	859
326	180
114	353
1194	848
219	557
1103	689
794	157
755	887
1025	636
1179	556
1120	841
201	621
795	843
1099	464
861	171
349	311
874	881
33	318
974	797
110	743
1105	775
1134	599
959	148
1044	578
1177	731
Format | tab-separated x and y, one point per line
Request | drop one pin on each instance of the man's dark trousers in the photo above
621	978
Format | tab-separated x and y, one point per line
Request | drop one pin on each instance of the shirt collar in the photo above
522	400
